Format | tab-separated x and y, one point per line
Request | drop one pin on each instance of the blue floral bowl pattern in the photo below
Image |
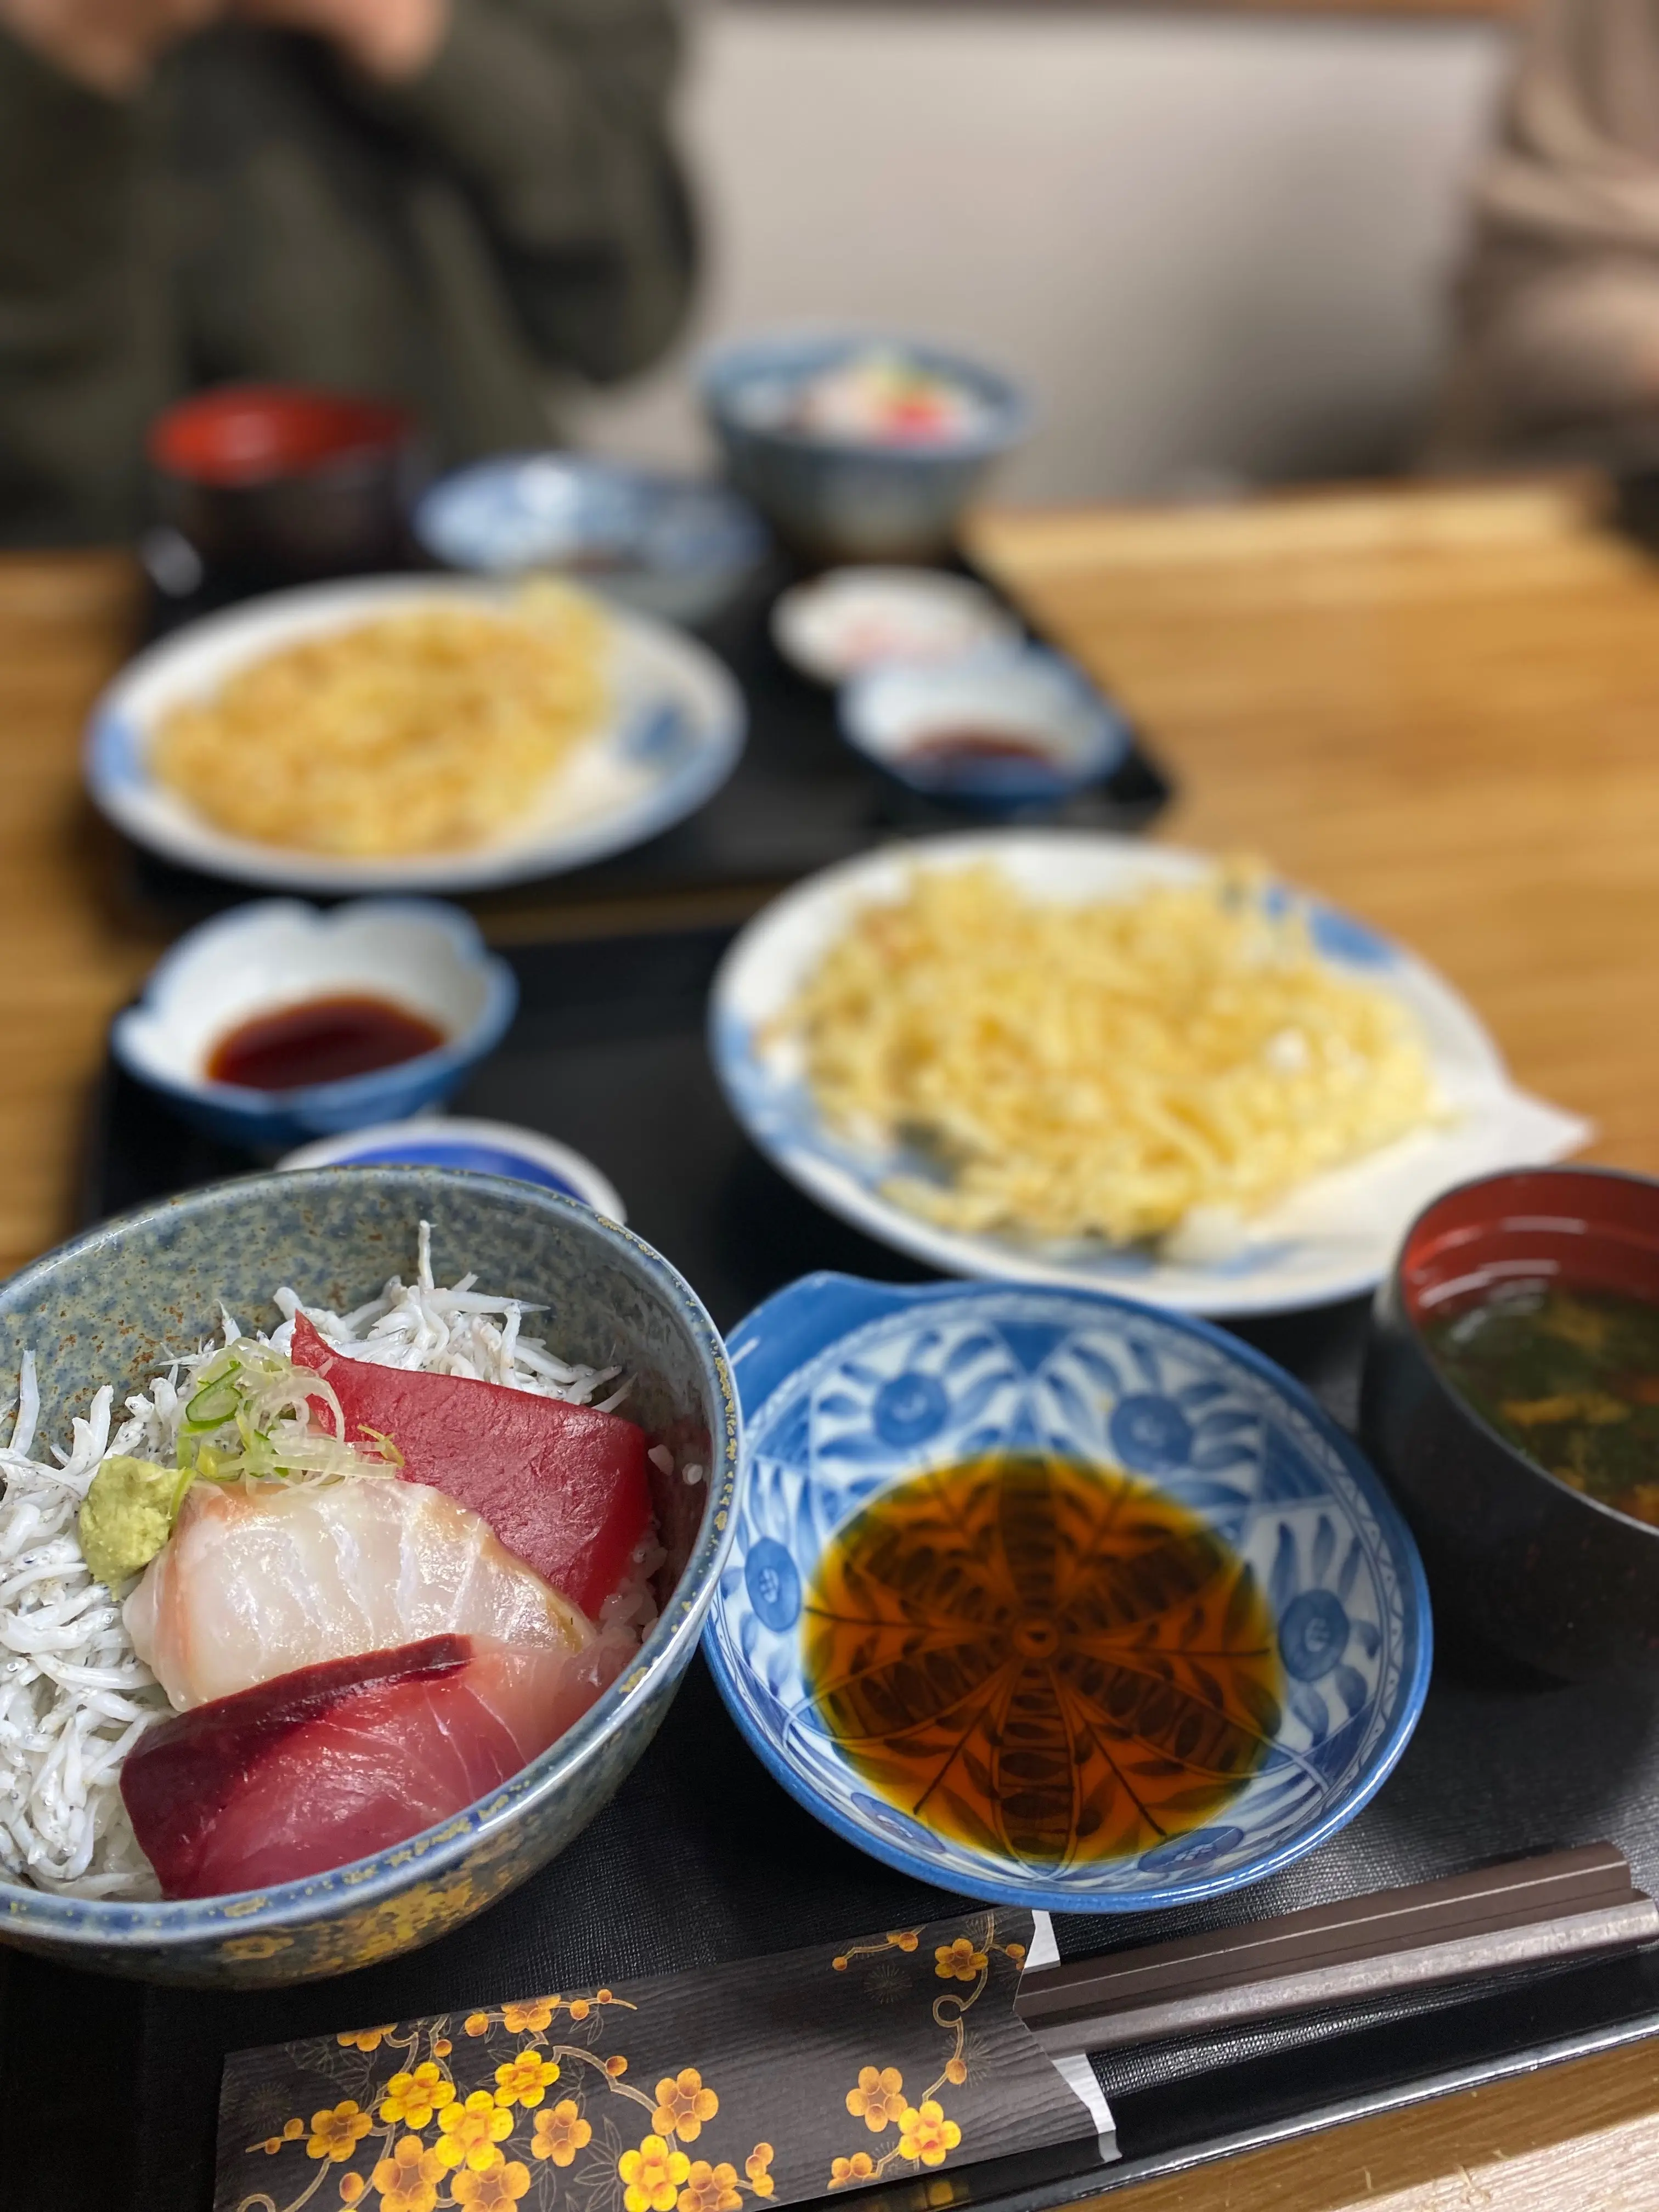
110	1307
848	1387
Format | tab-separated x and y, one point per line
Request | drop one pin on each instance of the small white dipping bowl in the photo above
853	619
420	954
1068	735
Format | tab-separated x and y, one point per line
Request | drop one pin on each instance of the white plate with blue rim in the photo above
672	736
1333	1237
850	1389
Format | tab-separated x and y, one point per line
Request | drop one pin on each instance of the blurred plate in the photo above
672	737
1333	1237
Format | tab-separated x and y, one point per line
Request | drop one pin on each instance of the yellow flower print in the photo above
615	2065
710	2189
561	2133
879	2099
524	2080
958	1961
859	2167
755	2166
470	2132
652	2175
683	2104
414	2098
498	2191
271	2145
528	2019
477	2023
840	1966
351	2188
442	2046
580	2008
337	2134
1016	1952
903	1938
603	1996
408	2181
293	2129
365	2039
955	2070
927	2135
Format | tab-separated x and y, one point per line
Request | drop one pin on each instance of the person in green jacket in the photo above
435	201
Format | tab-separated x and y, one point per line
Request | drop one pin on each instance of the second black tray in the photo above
701	1857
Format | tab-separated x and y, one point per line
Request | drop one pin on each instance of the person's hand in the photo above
390	40
109	45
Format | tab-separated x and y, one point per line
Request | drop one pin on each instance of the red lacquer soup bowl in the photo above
1516	1557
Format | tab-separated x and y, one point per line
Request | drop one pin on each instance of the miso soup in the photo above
1570	1377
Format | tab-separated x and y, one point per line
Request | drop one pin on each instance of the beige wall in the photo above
1217	246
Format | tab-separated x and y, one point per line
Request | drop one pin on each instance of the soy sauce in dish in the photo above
1571	1378
322	1040
1043	1659
951	748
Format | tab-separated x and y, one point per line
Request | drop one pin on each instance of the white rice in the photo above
74	1696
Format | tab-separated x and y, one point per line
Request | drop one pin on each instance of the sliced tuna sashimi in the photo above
331	1763
564	1486
255	1582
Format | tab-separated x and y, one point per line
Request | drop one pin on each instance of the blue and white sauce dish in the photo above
848	1387
1004	731
421	956
495	1148
675	547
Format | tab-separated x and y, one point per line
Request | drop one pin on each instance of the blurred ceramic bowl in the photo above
1000	732
671	546
844	497
115	1304
266	484
420	955
850	1387
474	1147
838	625
1546	1574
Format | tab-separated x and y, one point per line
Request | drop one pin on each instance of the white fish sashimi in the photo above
258	1580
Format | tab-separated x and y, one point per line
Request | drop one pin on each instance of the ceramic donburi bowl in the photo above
114	1305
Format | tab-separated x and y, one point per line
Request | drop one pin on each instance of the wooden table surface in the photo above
1439	707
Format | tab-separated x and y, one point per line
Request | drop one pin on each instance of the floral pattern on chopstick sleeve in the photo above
665	2096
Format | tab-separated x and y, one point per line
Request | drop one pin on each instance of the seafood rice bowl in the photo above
326	1621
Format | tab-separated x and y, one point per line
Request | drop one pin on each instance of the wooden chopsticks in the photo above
1529	1911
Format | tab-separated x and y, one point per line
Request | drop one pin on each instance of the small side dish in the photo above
837	625
492	1148
370	1565
277	1020
1008	729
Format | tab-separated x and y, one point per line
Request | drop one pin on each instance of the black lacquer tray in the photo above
702	1858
